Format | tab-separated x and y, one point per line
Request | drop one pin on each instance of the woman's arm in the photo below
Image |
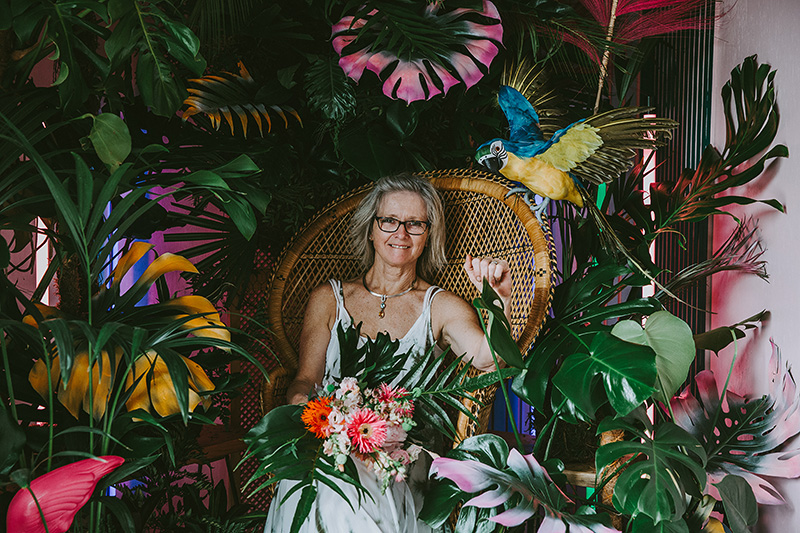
460	328
314	339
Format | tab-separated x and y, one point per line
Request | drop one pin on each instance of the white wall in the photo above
771	29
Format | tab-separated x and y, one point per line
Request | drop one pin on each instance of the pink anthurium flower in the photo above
419	77
61	493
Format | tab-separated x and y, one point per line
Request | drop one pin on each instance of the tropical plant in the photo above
680	455
96	152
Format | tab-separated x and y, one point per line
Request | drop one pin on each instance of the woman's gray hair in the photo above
432	258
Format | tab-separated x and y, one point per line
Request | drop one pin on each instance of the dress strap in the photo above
338	293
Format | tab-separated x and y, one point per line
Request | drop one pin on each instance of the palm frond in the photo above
223	97
330	91
741	252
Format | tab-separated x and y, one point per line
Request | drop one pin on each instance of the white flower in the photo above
395	437
336	421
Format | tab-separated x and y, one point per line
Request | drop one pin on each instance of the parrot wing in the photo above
523	121
600	148
623	131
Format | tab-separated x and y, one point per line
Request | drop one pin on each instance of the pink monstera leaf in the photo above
525	477
746	436
450	48
60	493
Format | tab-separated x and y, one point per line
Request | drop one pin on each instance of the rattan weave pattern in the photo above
480	220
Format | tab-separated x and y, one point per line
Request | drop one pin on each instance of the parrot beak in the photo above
493	163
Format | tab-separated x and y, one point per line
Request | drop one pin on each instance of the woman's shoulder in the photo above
322	296
445	301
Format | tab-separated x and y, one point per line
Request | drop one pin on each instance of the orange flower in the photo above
315	416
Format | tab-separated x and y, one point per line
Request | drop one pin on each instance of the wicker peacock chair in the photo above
480	220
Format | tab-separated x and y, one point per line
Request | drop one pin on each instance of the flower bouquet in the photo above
372	424
360	416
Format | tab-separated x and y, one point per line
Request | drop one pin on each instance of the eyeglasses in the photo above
413	227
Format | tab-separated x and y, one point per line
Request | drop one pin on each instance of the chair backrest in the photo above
480	220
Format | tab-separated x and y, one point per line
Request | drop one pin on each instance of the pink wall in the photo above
769	29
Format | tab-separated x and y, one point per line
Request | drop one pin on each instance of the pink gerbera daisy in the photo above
367	431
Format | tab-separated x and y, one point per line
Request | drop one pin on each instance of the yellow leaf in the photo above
137	250
162	265
38	376
72	396
47	312
139	398
156	391
198	379
713	526
103	380
210	323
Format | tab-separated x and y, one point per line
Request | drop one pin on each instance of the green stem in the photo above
503	388
7	368
39	507
550	423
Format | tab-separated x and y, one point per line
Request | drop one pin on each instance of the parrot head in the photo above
492	155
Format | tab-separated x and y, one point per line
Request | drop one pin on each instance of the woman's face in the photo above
400	248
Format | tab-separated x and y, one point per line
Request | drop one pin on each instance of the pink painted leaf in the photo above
61	493
419	52
518	489
746	435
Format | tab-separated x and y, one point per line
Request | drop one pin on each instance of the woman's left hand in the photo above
495	270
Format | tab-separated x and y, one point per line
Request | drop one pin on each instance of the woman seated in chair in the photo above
398	231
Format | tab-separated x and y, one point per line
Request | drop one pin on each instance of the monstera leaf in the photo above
745	436
160	43
581	306
627	372
508	487
64	32
751	119
671	340
431	52
666	463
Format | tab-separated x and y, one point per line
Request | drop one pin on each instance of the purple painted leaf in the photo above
427	70
746	436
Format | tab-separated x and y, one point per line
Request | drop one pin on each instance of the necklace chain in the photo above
384	297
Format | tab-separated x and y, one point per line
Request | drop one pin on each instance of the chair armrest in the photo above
273	389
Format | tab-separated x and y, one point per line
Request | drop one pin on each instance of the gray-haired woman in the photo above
398	231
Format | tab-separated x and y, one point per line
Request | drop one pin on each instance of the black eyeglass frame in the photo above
403	223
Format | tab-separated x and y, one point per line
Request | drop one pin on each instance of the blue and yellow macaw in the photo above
595	150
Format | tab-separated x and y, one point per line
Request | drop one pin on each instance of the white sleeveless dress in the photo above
394	511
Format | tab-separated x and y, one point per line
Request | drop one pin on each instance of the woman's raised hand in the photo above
495	270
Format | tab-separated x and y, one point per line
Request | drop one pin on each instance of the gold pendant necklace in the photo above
384	297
